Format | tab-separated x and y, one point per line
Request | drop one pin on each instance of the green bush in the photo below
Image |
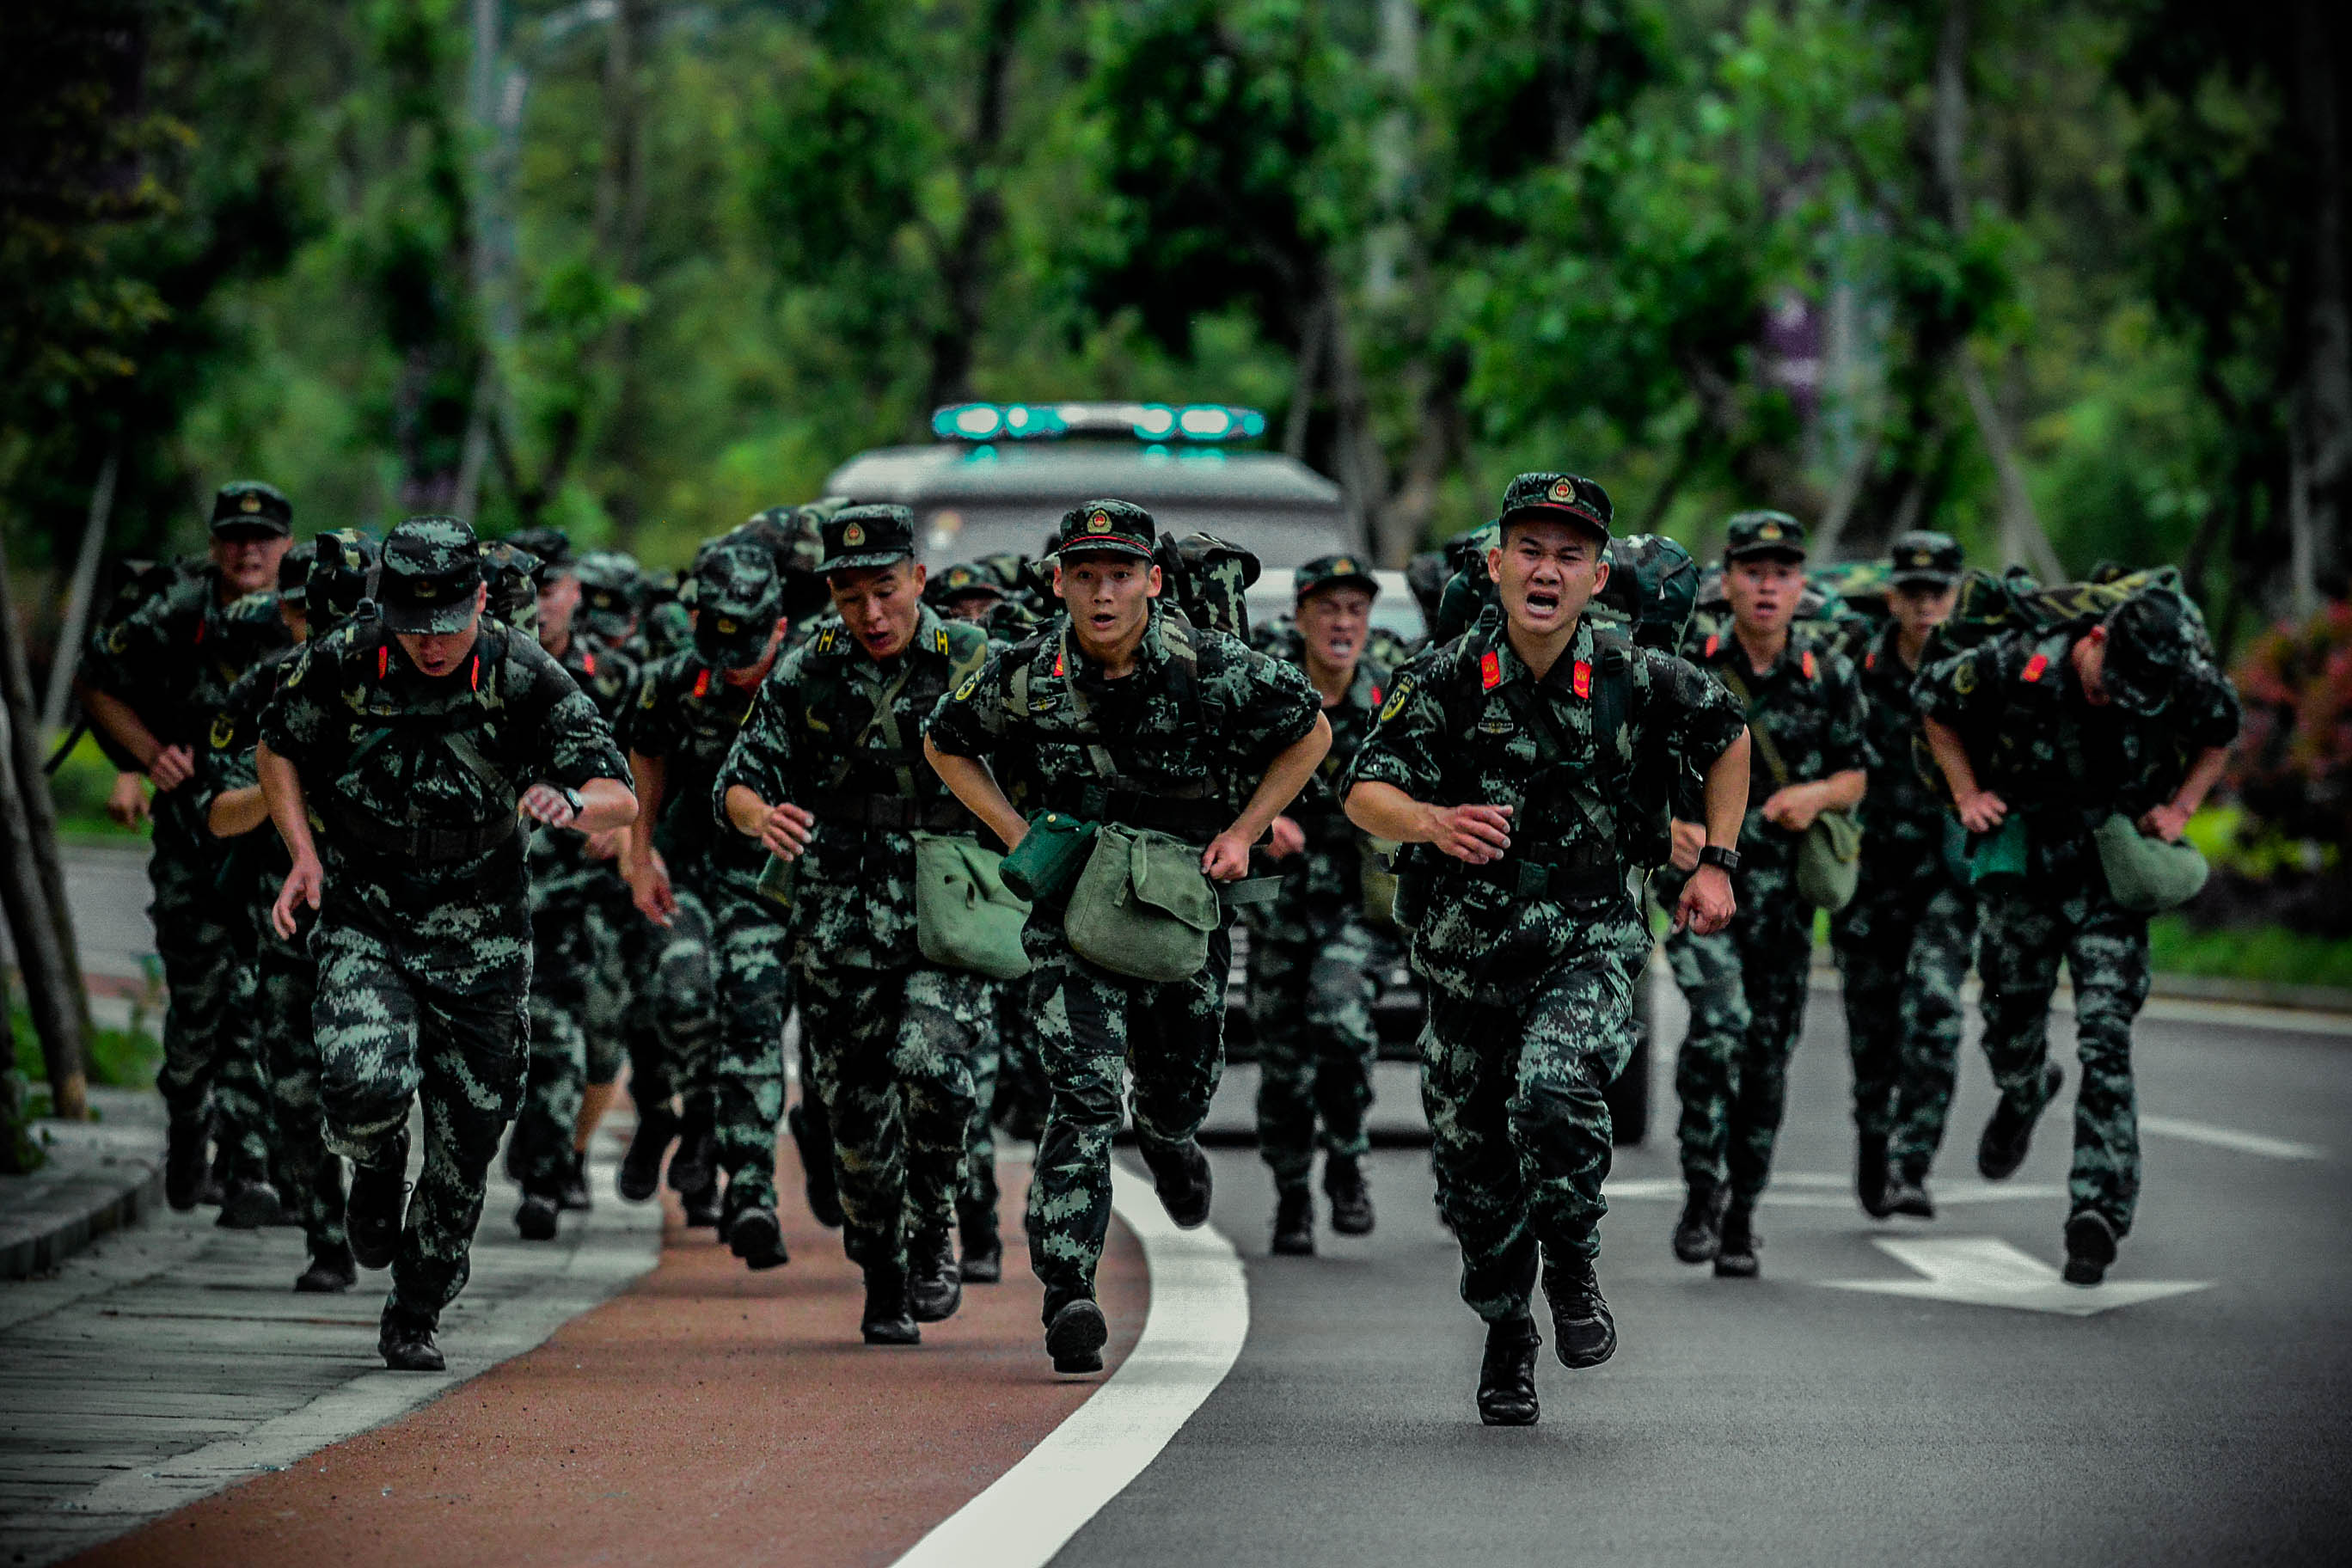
119	1058
80	787
2270	953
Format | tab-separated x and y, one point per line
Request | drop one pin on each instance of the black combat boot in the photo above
887	1320
536	1217
185	1161
1294	1223
696	1164
1351	1197
576	1197
1507	1375
1180	1172
1698	1234
1735	1258
1870	1176
216	1177
984	1250
2090	1248
812	1137
379	1193
1907	1194
756	1237
705	1208
331	1270
2010	1133
405	1341
641	1162
1075	1332
249	1203
934	1282
1584	1334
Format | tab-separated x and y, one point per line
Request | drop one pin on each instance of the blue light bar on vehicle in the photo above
1204	422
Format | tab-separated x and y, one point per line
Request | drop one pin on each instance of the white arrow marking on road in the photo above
2230	1138
1986	1271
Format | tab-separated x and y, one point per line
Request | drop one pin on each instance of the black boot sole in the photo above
325	1280
757	1239
1075	1337
537	1221
983	1263
250	1205
1998	1158
2090	1249
410	1355
639	1178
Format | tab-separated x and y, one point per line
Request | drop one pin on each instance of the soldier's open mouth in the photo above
1541	603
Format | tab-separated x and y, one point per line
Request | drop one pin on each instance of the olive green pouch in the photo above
2000	855
1045	866
1379	880
2147	874
965	917
1829	861
775	883
1142	907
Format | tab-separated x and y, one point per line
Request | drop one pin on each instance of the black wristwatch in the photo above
1716	855
573	798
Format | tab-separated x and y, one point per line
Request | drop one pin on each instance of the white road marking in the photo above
1986	1271
1200	1315
1808	1191
2230	1138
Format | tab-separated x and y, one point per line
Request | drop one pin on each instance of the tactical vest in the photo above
930	674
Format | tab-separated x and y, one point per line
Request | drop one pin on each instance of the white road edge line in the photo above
2230	1138
1199	1317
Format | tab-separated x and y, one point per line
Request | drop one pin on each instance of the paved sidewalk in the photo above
173	1359
99	1177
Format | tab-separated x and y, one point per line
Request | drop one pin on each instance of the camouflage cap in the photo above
737	598
551	546
294	575
1333	570
1105	528
1757	533
341	562
856	537
964	580
608	591
431	568
1558	498
1922	556
788	532
249	507
514	576
2150	645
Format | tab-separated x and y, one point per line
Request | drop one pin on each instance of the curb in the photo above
36	1242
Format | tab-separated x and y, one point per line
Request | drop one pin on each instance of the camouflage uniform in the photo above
173	661
1531	960
579	979
840	734
1747	984
1314	957
2064	765
1179	745
1906	943
423	941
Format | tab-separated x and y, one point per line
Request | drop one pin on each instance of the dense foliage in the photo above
2064	278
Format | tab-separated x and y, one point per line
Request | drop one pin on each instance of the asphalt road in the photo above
1782	1420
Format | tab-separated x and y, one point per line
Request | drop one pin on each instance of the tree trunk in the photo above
67	659
40	812
53	993
964	262
2323	403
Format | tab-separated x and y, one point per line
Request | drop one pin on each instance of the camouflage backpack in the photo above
2013	601
512	574
1208	579
1652	588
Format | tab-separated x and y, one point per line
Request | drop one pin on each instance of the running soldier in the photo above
1312	950
1905	942
1514	750
1121	712
416	738
2049	735
828	776
724	991
309	1175
153	683
1746	984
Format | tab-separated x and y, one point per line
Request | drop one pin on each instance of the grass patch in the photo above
80	787
2270	953
119	1058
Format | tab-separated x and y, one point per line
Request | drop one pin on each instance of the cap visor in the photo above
1102	544
1757	552
863	559
731	652
250	527
417	621
1364	580
1924	579
1545	512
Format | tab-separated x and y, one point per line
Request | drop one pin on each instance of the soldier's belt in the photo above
417	841
1195	819
892	813
1576	883
1248	891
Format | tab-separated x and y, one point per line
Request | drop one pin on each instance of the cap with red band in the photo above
1569	498
1105	528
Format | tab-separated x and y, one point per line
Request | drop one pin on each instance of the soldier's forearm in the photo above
281	786
237	811
1292	767
1944	745
1846	789
970	782
1726	793
122	726
1386	812
2201	779
651	776
605	804
747	814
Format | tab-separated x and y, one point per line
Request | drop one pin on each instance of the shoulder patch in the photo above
970	684
224	731
1395	704
1964	676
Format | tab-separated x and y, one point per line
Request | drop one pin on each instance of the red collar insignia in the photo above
2037	667
1582	681
1490	670
702	683
1807	662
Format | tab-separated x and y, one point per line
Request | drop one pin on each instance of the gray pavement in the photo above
1784	1421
